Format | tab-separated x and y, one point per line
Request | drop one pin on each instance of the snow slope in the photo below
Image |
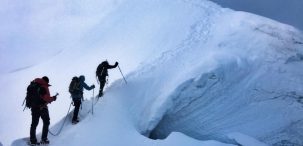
89	35
203	79
111	126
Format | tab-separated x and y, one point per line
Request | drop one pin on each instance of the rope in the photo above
106	82
97	79
93	101
62	123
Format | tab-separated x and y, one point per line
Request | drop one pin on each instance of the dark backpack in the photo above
74	86
34	95
100	69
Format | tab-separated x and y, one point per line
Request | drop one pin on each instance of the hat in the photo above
45	78
82	78
105	62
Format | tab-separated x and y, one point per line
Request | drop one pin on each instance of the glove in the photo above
55	98
93	86
116	63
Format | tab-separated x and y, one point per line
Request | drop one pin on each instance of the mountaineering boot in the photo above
100	94
34	143
44	141
75	121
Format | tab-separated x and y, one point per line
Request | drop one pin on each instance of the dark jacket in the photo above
103	67
82	86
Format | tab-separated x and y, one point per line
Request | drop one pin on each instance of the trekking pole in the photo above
23	101
23	104
122	74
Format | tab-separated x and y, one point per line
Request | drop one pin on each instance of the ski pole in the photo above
122	74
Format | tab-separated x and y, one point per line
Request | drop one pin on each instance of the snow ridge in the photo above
247	54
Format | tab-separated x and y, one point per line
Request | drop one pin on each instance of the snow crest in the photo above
229	79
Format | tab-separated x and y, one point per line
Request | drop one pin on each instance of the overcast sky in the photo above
285	11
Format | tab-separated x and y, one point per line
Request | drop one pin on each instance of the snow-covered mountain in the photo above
197	74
